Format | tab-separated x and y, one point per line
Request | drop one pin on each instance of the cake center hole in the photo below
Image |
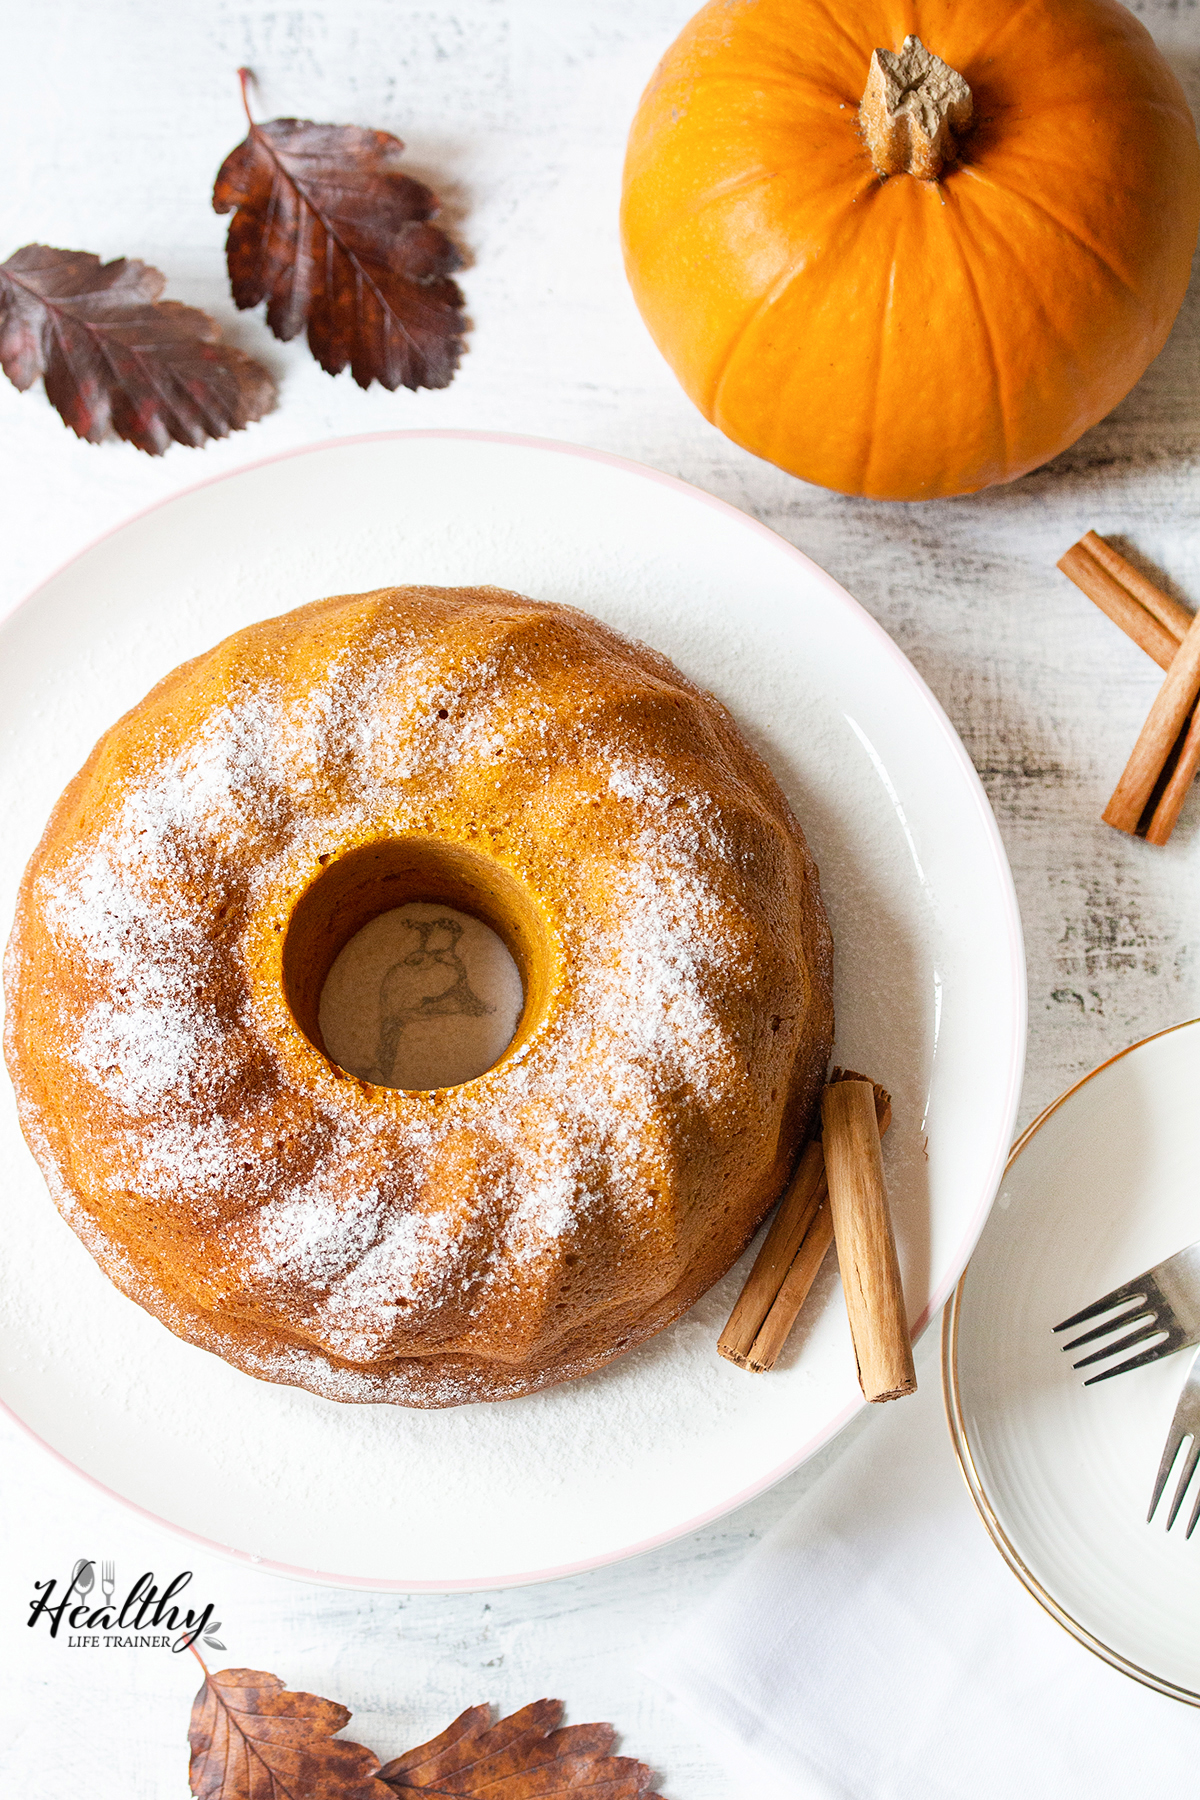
423	996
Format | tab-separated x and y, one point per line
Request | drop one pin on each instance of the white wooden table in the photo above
113	121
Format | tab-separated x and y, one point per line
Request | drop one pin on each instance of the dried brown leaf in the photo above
421	1766
526	1756
253	1740
333	235
114	358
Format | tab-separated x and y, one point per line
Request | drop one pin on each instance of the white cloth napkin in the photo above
874	1646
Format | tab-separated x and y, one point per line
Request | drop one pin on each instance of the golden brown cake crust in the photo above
228	835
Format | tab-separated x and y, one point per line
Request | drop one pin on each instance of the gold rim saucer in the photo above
962	1445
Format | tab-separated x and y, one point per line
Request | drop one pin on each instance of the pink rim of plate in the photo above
1016	959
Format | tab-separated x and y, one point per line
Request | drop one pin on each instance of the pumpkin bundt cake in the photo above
227	838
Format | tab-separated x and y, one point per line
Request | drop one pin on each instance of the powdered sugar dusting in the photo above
332	1225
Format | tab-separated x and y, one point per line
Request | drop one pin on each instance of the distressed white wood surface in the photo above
113	120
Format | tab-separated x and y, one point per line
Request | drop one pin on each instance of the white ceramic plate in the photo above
929	988
1103	1185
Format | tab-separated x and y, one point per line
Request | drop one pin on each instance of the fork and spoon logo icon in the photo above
83	1578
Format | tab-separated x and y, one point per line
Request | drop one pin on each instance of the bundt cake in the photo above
531	768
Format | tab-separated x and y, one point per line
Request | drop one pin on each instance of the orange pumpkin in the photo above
918	294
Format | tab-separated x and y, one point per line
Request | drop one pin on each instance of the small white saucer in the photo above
1102	1186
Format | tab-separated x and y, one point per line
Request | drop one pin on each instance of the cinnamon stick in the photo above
797	1284
1156	740
1159	625
1110	594
801	1198
1169	613
1170	803
866	1246
792	1253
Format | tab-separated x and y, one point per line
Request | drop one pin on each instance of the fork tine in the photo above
1137	1312
1150	1329
1194	1517
1170	1452
1120	1296
1132	1362
1189	1469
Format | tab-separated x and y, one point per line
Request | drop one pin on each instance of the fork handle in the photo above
862	1228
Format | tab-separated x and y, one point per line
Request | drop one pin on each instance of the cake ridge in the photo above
475	1241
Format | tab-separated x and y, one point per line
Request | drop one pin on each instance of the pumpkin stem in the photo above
912	107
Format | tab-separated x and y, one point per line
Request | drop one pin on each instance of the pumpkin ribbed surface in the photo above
899	337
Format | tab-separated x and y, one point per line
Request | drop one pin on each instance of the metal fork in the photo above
108	1581
1166	1300
1185	1424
